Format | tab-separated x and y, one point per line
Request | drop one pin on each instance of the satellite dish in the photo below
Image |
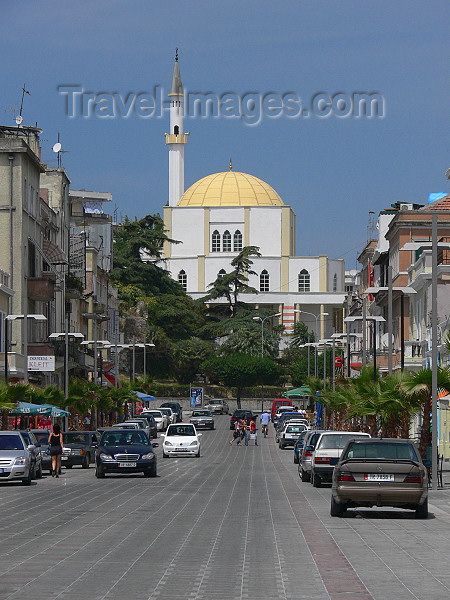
19	119
57	147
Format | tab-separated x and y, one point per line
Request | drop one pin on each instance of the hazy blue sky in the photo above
332	171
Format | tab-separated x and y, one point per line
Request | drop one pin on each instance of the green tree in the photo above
231	285
187	356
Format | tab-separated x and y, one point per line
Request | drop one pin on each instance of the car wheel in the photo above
33	472
280	445
85	464
39	472
99	473
68	466
337	509
198	454
305	475
422	510
152	472
316	481
165	455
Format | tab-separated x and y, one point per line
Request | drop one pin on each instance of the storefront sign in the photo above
41	363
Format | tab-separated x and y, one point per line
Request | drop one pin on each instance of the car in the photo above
79	448
35	450
277	403
162	420
240	413
218	406
41	436
201	417
299	445
287	416
176	407
327	452
151	423
305	455
15	458
288	435
124	425
280	410
181	439
142	424
172	417
125	451
380	472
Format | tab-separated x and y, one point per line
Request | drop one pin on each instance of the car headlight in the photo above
167	443
148	456
105	457
20	461
194	443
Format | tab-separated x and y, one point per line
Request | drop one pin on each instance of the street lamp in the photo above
262	319
103	345
145	345
66	335
322	314
37	317
375	319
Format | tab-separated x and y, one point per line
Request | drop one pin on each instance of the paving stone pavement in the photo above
236	524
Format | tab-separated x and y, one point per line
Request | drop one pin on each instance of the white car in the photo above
290	434
169	414
181	439
161	419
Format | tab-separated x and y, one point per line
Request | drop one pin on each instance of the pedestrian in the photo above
245	426
236	434
55	442
253	432
265	420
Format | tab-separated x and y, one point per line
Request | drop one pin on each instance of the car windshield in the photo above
335	441
166	411
201	413
72	437
381	450
11	442
124	438
155	413
180	430
42	438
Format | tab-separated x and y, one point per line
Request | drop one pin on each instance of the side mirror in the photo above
199	434
155	445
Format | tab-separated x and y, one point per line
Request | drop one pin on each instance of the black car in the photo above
79	448
125	451
41	436
176	407
151	423
35	453
240	413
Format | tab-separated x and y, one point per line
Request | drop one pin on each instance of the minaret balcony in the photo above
179	138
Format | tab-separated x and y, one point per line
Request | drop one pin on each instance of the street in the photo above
236	523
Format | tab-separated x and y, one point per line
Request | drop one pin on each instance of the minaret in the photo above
176	139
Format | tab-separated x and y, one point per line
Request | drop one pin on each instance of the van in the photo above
279	402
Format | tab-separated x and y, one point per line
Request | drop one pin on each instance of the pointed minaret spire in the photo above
177	85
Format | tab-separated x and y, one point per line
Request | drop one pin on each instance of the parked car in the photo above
15	458
142	424
299	445
327	452
240	413
181	439
41	436
305	455
288	416
280	410
79	448
162	420
169	413
176	407
277	402
35	450
125	451
289	435
201	417
218	406
380	472
151	424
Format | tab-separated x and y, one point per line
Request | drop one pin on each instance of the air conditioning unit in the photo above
406	206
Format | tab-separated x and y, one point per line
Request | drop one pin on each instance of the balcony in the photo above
41	288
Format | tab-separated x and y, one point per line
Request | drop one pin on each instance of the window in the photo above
237	241
182	279
221	273
264	281
215	246
31	260
176	130
335	282
304	281
226	241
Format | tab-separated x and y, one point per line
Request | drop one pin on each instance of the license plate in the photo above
127	464
181	449
379	477
64	457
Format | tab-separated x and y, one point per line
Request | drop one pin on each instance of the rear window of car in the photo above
75	438
11	442
381	450
295	428
335	441
201	413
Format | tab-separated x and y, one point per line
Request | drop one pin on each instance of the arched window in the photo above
182	279
221	273
237	241
335	282
176	130
226	241
304	284
264	281
215	245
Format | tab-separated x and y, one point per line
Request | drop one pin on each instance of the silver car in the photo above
217	406
15	458
202	418
305	458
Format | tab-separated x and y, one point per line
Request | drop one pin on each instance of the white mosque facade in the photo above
220	214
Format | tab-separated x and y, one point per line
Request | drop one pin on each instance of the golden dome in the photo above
230	188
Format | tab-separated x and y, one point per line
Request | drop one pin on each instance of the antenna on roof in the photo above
57	148
19	118
176	54
371	225
231	164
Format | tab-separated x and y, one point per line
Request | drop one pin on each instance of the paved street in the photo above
236	524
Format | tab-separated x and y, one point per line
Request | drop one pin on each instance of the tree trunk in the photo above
238	397
425	433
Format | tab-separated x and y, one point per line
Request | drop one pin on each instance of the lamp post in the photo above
375	320
24	318
66	335
104	344
145	345
262	319
322	314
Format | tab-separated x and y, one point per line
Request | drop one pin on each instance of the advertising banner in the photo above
196	397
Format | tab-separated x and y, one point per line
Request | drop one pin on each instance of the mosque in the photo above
223	212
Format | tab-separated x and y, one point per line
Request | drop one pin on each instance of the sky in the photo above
332	166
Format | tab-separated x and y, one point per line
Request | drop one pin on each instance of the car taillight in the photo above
307	453
345	477
322	459
413	478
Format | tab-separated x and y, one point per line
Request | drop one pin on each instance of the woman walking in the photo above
236	434
55	441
